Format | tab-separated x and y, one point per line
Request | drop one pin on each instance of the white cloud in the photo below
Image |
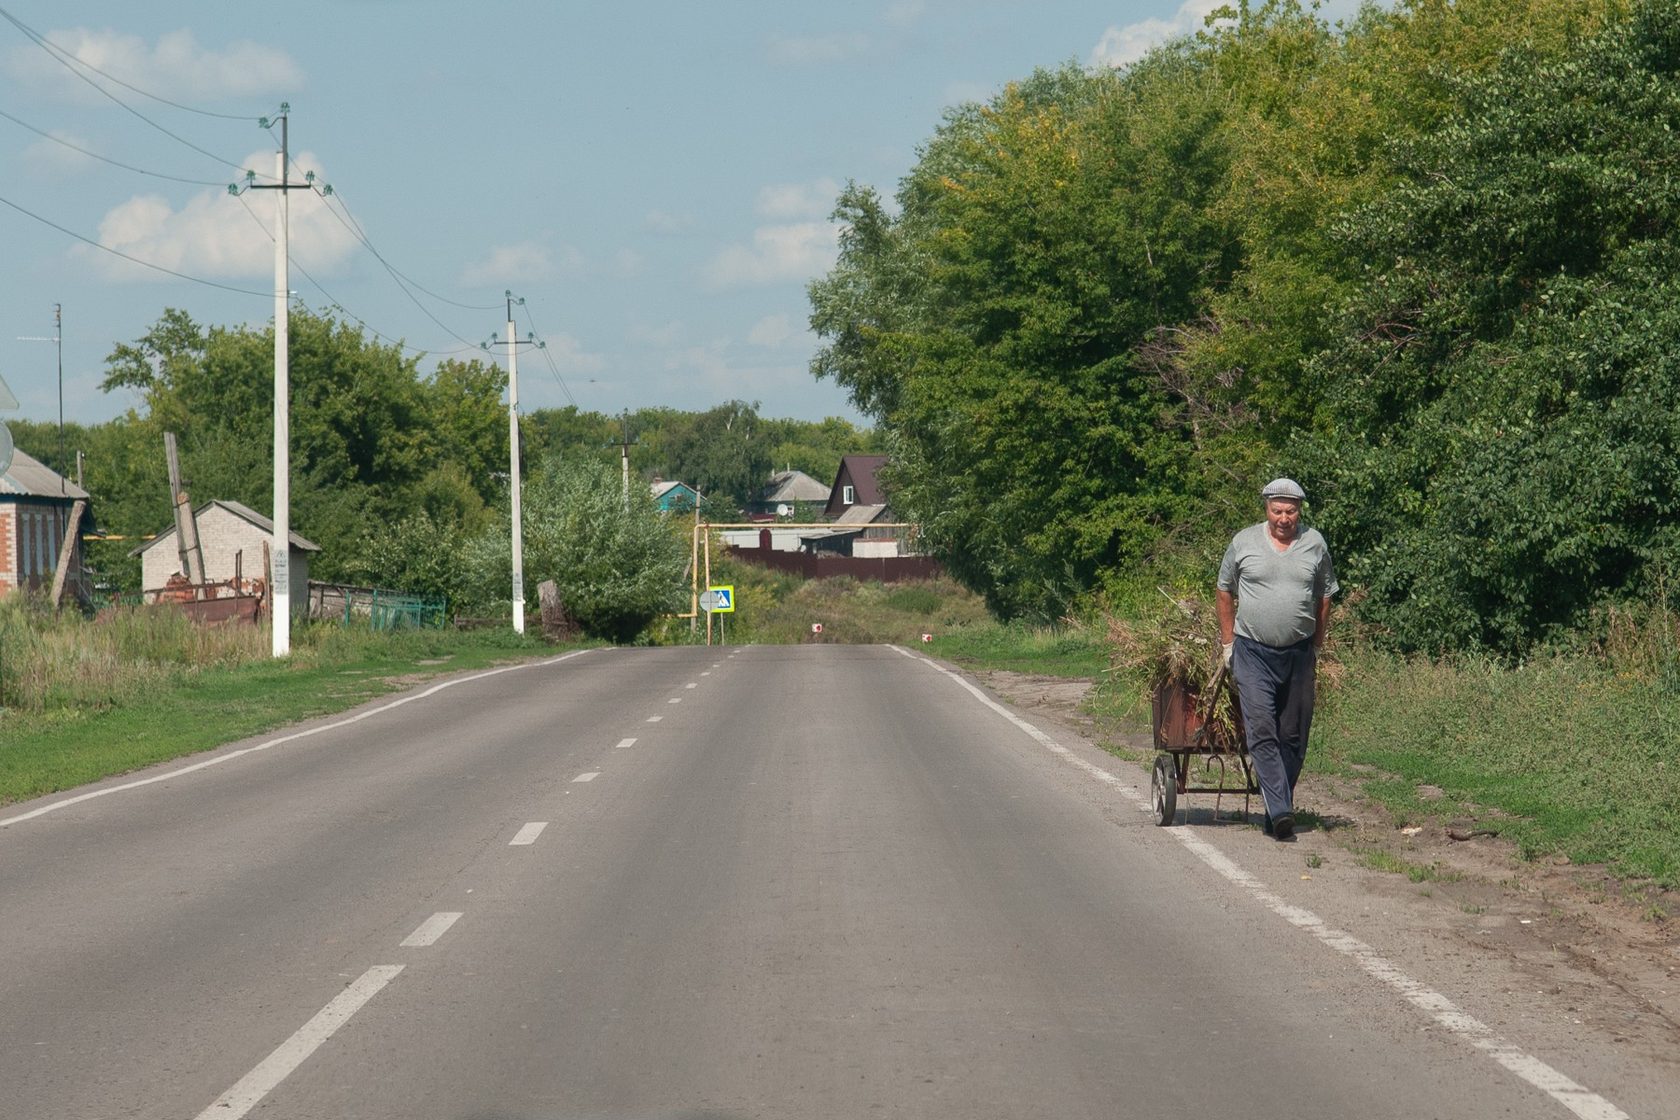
788	201
903	13
215	236
817	50
527	262
55	161
798	251
660	221
175	66
570	356
663	336
960	93
1125	44
706	372
628	263
775	331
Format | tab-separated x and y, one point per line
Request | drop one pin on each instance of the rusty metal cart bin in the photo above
1185	727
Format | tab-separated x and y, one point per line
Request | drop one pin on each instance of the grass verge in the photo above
192	709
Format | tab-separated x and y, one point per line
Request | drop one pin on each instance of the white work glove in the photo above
1225	654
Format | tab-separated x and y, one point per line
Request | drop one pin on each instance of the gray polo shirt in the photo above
1277	592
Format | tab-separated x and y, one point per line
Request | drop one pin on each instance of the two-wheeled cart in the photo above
1186	727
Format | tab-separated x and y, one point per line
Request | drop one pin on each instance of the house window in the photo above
848	495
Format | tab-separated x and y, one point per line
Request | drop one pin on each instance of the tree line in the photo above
400	476
1425	262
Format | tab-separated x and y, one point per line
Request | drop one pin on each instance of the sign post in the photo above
720	601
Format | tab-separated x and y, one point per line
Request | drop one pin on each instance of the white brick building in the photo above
231	537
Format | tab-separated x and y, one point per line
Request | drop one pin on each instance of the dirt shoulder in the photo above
1594	947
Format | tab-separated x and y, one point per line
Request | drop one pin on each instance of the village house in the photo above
231	537
35	505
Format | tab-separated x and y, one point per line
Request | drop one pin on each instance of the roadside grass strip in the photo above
1578	1099
53	807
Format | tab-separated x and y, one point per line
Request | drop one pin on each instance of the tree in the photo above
722	453
1499	453
618	564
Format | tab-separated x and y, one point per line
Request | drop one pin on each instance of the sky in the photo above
654	179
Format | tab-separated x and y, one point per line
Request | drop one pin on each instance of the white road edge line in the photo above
528	834
1580	1100
623	744
304	734
588	776
431	929
272	1070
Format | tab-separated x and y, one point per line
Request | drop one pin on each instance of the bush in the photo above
617	561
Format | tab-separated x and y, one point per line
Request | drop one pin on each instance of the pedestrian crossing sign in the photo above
719	600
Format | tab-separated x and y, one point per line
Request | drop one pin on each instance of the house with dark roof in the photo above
35	505
856	484
231	536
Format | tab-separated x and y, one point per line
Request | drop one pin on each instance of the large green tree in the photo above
1501	451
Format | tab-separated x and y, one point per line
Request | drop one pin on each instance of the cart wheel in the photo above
1163	789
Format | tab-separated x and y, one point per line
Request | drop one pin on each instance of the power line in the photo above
356	230
552	367
338	305
57	50
105	159
127	257
59	57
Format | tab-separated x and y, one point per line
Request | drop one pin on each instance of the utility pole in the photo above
624	455
517	527
57	340
280	583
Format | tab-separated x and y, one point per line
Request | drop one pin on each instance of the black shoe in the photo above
1283	827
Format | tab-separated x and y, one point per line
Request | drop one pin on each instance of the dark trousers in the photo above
1275	689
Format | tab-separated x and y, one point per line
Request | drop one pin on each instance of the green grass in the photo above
1570	754
197	709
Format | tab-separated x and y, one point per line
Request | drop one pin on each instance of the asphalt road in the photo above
821	881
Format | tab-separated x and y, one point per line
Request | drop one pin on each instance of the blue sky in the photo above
653	178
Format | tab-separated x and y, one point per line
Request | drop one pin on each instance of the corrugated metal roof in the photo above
239	509
28	476
794	486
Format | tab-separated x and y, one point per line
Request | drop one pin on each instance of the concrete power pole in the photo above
280	584
516	508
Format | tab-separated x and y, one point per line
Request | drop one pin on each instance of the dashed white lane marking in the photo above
528	834
254	1086
1583	1102
431	929
654	719
706	673
622	744
692	684
304	734
588	776
674	700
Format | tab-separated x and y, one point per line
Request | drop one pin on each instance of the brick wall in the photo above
8	547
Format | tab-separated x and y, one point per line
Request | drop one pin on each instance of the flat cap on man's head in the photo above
1283	488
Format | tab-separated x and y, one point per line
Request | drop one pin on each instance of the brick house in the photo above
35	504
231	536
